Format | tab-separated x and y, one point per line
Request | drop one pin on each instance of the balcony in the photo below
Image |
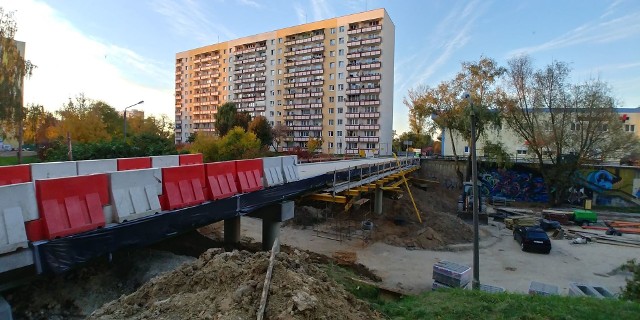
363	127
251	89
303	117
303	73
363	115
305	40
302	106
364	78
303	62
362	30
303	84
363	90
363	103
304	51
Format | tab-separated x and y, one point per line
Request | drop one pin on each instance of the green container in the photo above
582	216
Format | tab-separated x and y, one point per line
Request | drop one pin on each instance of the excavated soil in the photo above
398	225
229	285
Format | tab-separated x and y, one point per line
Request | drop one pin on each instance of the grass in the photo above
467	304
9	161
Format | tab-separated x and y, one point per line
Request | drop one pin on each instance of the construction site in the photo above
392	223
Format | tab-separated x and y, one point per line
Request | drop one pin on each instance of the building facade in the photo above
331	79
514	144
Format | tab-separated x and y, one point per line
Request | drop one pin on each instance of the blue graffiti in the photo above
512	184
603	178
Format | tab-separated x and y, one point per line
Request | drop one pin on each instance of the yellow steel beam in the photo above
396	189
352	192
395	184
409	190
424	180
328	198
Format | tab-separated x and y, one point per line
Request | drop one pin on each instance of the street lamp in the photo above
124	131
476	198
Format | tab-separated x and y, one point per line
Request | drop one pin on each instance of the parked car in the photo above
533	239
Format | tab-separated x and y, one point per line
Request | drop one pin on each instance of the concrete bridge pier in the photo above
272	217
377	205
5	309
231	233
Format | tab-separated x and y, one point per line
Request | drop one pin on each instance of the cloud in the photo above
603	31
302	15
321	10
250	3
188	18
70	62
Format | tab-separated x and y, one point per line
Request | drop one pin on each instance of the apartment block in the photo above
330	79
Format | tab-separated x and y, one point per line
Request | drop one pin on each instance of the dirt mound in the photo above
228	286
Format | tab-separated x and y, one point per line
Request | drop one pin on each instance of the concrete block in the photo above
543	289
134	193
12	232
53	170
5	310
21	195
588	290
96	166
15	260
165	161
290	168
272	167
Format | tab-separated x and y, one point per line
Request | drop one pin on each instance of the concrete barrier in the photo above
290	168
272	167
96	166
50	170
21	196
589	290
134	193
5	310
165	161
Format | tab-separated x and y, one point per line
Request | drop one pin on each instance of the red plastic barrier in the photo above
72	205
189	159
35	230
249	175
15	174
134	163
221	180
182	187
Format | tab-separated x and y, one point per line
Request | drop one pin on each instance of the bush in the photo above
236	144
632	289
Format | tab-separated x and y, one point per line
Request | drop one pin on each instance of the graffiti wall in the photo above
612	183
520	184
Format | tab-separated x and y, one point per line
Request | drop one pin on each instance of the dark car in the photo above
532	239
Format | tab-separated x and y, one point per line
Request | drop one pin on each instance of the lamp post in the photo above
476	199
124	131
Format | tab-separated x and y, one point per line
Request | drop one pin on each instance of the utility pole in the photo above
476	199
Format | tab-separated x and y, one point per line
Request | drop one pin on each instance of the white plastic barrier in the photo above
17	205
272	171
165	161
96	166
290	168
134	193
49	170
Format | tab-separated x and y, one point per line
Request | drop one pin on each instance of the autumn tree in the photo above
78	117
415	101
228	117
565	125
236	144
314	144
13	69
280	132
39	125
262	129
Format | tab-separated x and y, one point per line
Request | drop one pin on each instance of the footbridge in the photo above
54	216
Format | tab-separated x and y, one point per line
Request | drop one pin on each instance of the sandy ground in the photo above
502	263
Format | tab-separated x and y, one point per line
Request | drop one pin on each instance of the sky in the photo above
123	51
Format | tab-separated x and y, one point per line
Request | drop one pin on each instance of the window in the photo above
273	62
272	51
271	82
629	128
333	30
331	99
340	87
331	143
273	72
339	134
332	42
330	122
341	29
280	51
341	40
330	133
339	120
271	113
340	98
332	76
279	71
330	110
340	63
273	41
279	61
332	87
371	145
340	75
466	149
279	40
332	65
521	151
279	102
576	127
352	145
332	53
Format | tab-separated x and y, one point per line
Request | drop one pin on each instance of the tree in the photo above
228	117
280	132
192	137
262	129
79	118
564	125
418	114
236	144
13	69
314	144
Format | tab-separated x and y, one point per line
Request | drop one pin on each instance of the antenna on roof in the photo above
366	5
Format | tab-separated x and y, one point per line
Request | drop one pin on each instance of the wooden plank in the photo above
267	281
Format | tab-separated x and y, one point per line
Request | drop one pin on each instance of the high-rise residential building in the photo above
330	79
